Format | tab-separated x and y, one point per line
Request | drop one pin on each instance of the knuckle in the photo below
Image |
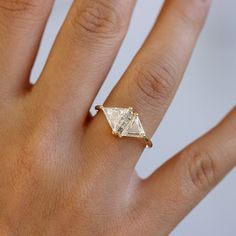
16	5
97	18
22	7
155	82
202	170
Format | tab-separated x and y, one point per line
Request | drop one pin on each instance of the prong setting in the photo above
99	107
114	133
125	122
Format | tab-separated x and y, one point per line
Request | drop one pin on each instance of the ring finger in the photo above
151	81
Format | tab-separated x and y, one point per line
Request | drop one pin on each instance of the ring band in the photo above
124	122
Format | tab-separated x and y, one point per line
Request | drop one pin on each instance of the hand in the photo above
61	170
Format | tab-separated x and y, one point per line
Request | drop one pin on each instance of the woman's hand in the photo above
61	170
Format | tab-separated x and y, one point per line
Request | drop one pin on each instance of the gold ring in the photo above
124	122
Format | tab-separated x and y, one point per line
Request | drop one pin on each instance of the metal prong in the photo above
135	113
114	133
117	134
99	107
148	142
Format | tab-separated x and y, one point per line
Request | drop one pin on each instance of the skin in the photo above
61	170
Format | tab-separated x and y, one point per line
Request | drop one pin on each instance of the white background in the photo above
207	92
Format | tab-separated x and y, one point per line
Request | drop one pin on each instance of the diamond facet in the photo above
114	116
124	122
135	128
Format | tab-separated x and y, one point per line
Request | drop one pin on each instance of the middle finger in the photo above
82	56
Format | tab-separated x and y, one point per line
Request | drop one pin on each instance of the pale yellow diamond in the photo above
124	122
134	129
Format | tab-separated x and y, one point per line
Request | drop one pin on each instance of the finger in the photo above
153	77
177	187
83	55
21	26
